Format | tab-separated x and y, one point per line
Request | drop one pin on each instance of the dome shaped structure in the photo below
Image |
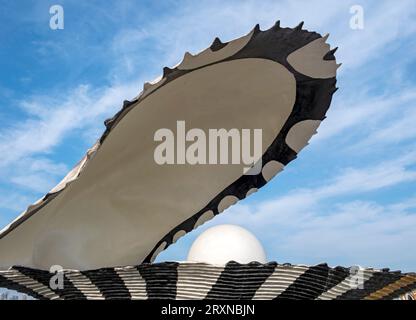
224	243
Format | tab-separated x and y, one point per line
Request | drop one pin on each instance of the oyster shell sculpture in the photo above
119	207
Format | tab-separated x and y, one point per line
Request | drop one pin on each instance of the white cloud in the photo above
26	146
384	174
385	23
39	179
26	180
351	181
368	113
192	26
50	120
13	201
357	232
394	131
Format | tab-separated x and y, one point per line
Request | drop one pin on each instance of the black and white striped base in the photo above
173	280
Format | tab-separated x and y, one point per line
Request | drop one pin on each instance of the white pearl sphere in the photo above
223	243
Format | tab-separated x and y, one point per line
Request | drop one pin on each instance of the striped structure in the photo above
173	280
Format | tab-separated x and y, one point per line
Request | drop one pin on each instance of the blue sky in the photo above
349	198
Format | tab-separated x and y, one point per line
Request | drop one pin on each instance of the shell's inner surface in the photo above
123	203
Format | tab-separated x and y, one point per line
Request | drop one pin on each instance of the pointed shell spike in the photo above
299	26
332	51
166	71
216	44
216	41
276	25
325	37
187	55
256	29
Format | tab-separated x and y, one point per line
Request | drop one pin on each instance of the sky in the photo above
348	199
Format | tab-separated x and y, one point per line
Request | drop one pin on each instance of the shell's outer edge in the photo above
289	40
